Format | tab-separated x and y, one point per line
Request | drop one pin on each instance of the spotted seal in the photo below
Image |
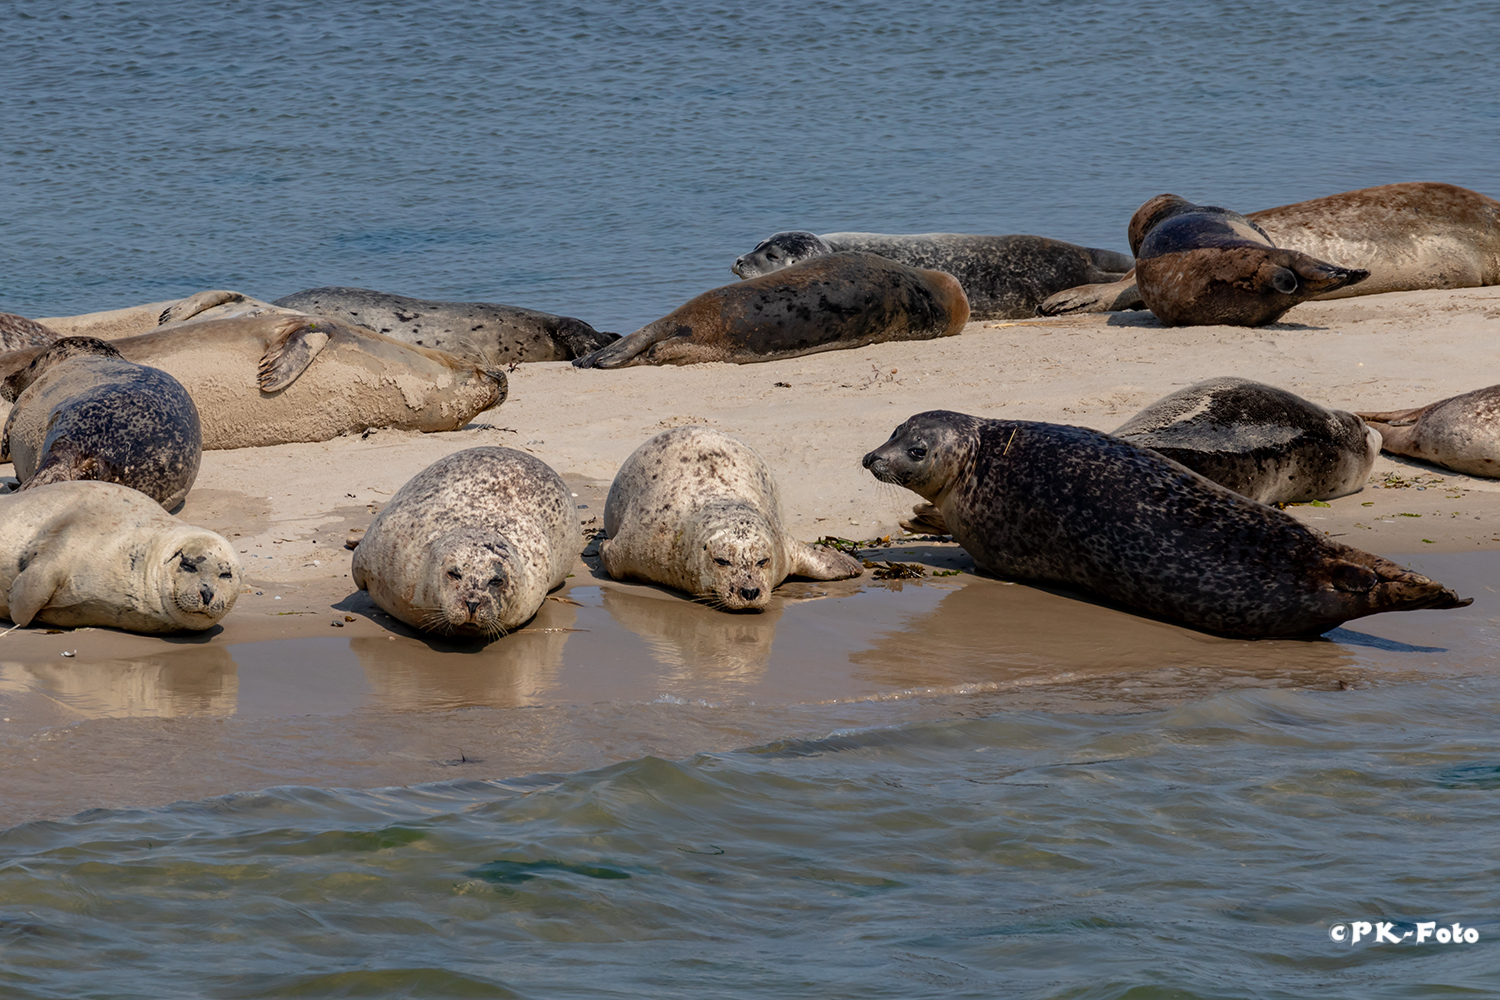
699	511
831	302
86	553
1003	277
1074	506
471	545
83	412
18	332
482	332
1262	442
1461	433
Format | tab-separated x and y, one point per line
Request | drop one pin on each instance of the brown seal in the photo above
1461	433
1068	505
830	302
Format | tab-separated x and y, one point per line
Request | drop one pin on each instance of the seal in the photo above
699	511
1461	433
1073	506
83	412
79	554
1409	236
18	332
482	332
1200	265
1003	277
274	378
1262	442
471	545
131	321
832	302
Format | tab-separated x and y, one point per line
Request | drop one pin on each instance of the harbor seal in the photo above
471	545
273	378
83	412
1260	441
18	332
699	511
1408	236
132	321
1003	277
1461	433
1074	506
482	332
1200	265
77	554
831	302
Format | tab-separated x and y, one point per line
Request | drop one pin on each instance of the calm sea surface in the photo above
609	161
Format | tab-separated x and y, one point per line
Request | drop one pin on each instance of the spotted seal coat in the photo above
831	302
18	332
1461	433
83	412
699	511
1073	506
79	554
471	545
1003	277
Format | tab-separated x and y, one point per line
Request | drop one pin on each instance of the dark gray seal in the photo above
1461	433
482	332
1073	506
1260	441
84	412
1004	277
831	302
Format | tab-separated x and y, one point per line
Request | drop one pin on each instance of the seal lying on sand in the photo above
1200	265
831	302
1073	506
1004	277
131	321
1259	441
85	553
84	412
18	332
1408	236
471	545
697	510
273	378
1461	433
482	332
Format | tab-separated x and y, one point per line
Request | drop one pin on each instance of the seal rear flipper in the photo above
1389	586
67	463
1319	276
1114	296
195	304
1395	418
818	563
293	348
623	351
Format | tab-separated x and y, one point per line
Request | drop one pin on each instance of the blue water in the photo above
609	161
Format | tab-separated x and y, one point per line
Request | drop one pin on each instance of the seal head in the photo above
780	250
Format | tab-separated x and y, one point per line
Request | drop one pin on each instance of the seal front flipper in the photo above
291	351
195	304
818	563
34	586
926	519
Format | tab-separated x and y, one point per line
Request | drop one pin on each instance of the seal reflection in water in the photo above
1068	505
85	553
1461	433
698	510
472	544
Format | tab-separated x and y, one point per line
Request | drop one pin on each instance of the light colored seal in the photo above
1200	265
1461	433
1003	277
471	545
482	332
18	332
132	321
275	378
831	302
1408	236
85	553
83	412
1262	442
699	511
1073	506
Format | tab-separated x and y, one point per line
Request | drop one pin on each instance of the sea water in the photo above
609	161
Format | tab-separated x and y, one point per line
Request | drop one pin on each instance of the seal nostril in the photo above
207	593
868	460
473	607
749	593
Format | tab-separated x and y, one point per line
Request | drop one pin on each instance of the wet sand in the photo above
307	683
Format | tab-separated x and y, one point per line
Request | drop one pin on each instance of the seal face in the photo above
471	545
484	333
84	412
699	511
87	553
831	302
1260	441
1461	433
1003	277
1073	506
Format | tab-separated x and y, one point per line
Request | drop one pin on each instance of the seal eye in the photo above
456	573
772	255
226	575
917	454
763	563
721	562
495	581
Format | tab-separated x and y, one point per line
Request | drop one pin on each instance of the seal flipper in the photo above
1114	296
195	304
1387	586
33	587
818	563
578	338
1319	276
67	463
291	351
625	350
926	519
